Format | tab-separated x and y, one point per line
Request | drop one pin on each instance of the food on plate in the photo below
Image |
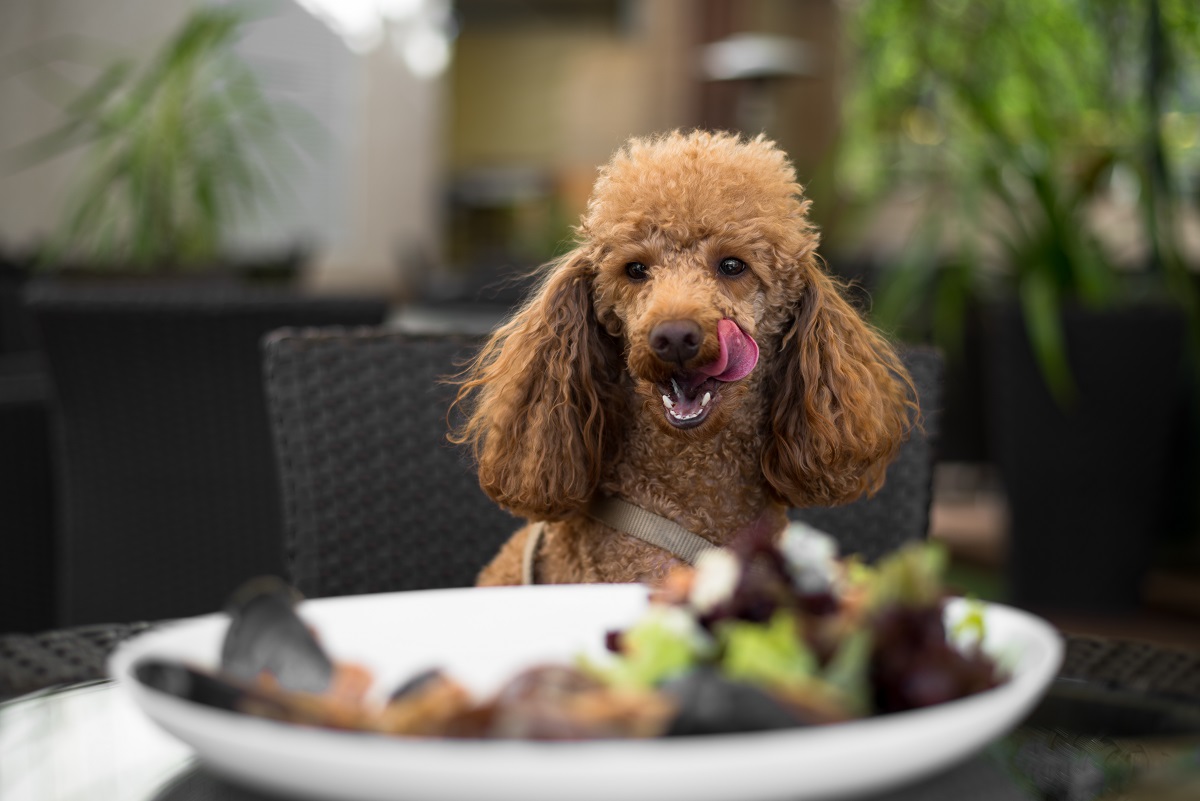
761	635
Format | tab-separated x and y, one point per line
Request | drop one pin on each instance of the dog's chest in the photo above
713	487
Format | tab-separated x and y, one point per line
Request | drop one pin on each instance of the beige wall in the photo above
809	106
390	218
548	98
562	99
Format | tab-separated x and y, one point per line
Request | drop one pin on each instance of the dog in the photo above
690	361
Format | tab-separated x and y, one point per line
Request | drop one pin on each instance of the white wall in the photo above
393	212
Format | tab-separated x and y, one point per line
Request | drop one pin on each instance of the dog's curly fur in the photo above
563	404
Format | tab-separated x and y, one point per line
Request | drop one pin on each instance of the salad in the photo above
760	635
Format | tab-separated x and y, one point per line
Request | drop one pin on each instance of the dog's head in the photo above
697	243
694	281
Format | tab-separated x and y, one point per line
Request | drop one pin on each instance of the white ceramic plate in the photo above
483	636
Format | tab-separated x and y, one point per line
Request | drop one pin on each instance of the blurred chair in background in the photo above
899	512
167	492
375	497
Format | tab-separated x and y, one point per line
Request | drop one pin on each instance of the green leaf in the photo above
773	653
1042	311
909	576
849	672
972	627
666	642
1033	102
951	298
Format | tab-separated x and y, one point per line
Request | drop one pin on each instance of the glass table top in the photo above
88	742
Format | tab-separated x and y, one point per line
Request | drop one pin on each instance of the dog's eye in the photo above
637	271
731	266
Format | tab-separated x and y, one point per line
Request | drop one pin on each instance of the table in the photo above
1119	723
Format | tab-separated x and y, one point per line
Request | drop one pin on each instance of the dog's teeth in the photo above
668	402
707	397
678	391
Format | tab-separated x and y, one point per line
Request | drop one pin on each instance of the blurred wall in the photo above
307	69
802	110
391	218
541	93
566	93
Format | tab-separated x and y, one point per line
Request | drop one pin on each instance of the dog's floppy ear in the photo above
539	399
840	405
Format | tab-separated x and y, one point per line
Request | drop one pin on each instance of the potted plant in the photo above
1015	127
176	150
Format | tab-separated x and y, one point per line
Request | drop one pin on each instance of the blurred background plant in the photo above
176	149
1046	150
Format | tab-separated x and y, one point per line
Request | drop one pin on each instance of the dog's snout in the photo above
676	340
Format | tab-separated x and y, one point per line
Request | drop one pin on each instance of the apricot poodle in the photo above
689	357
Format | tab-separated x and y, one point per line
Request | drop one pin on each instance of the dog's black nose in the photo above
676	340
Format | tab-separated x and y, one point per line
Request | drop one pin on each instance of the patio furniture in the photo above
167	493
375	497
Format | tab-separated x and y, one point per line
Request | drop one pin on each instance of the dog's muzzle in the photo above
689	395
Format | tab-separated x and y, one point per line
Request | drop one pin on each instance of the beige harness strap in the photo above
651	528
529	557
632	520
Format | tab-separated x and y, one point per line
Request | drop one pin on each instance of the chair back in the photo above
167	494
899	512
375	496
376	499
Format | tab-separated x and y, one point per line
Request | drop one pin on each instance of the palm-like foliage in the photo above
175	152
1011	115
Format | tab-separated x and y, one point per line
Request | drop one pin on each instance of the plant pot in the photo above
962	429
1087	481
282	270
16	326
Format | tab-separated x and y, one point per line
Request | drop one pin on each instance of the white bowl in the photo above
484	636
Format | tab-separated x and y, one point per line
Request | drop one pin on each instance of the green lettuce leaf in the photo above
773	653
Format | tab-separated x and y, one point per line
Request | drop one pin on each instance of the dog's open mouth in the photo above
687	401
690	396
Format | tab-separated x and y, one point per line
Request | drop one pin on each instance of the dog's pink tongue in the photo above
739	354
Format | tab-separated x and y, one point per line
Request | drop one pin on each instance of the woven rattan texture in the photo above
899	512
375	497
1170	673
30	662
167	492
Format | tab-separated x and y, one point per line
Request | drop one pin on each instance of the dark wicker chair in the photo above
899	512
167	492
375	497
